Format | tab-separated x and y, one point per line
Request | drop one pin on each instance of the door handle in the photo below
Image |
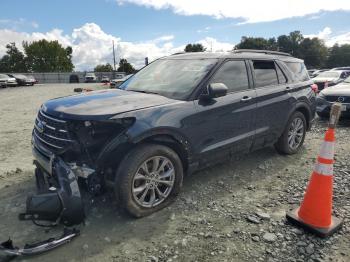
246	98
287	88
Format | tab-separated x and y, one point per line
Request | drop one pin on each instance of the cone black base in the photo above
293	218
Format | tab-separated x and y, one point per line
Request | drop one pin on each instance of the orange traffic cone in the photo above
315	212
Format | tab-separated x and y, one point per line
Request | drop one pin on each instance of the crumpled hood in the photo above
342	89
102	104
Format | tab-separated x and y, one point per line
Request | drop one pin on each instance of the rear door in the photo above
226	124
274	101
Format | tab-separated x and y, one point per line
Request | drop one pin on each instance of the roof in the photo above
243	53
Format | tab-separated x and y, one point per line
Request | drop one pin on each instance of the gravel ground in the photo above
230	212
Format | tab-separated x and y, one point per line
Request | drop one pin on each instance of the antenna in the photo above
113	55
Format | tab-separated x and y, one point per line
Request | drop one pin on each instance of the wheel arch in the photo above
303	108
112	154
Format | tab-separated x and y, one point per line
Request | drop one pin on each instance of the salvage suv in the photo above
178	114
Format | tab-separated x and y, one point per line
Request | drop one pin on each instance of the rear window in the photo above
265	73
299	70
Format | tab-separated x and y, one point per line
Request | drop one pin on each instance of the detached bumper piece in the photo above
57	204
40	247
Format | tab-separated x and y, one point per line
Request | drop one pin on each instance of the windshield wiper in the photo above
143	91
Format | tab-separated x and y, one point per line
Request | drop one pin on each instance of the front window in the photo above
173	78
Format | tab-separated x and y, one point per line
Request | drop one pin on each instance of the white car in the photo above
116	83
6	81
90	78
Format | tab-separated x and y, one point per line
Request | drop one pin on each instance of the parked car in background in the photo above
333	77
32	79
6	81
73	78
338	93
176	115
317	72
3	80
105	79
341	68
311	71
90	78
116	83
11	81
22	80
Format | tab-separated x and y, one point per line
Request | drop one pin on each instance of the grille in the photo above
51	131
335	99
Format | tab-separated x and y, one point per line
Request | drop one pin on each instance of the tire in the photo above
283	146
126	183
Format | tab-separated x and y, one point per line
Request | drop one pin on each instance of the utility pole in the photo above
113	55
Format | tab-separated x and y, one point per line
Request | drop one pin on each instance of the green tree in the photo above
258	43
195	48
125	66
104	68
339	56
290	43
13	61
314	52
48	56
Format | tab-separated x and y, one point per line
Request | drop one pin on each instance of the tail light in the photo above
314	88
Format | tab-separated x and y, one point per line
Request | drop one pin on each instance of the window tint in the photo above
299	70
281	77
233	74
265	73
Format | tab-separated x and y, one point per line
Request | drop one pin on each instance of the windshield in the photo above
329	74
173	78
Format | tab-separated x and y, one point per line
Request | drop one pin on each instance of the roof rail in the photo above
179	53
260	51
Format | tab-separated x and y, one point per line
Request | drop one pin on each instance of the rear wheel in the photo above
293	136
148	179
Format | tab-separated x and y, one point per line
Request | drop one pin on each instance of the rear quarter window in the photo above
299	70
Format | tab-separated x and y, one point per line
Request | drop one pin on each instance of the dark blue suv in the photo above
178	114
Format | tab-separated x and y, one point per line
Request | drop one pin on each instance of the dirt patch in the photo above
230	212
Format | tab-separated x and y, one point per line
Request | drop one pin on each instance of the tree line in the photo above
47	56
313	51
124	66
38	56
51	56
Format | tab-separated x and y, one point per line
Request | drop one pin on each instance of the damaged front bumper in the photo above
40	247
58	202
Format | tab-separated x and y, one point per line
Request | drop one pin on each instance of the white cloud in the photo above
211	44
324	34
250	11
329	39
16	24
92	46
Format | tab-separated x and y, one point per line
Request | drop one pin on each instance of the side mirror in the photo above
217	90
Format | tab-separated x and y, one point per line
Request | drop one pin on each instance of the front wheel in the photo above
148	179
293	136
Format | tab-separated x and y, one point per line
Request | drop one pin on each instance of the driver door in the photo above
226	124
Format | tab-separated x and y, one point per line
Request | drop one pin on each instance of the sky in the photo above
156	28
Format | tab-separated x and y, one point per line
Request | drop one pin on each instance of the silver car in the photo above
337	93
